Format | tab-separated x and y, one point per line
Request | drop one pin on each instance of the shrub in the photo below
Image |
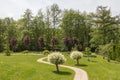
56	58
46	52
117	52
93	55
25	51
7	52
76	55
88	52
106	51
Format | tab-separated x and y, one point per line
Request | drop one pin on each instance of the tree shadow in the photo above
93	61
62	73
82	65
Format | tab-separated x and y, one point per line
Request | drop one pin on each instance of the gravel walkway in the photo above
79	73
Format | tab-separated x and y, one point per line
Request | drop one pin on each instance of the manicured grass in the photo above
98	68
26	67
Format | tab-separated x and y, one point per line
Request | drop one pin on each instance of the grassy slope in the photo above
98	68
26	67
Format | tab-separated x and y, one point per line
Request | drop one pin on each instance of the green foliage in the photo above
88	52
46	52
25	52
74	25
90	29
7	52
55	15
117	53
93	55
106	51
56	58
76	55
74	49
107	28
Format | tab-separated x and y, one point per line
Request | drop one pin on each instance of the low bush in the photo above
7	52
25	52
93	55
46	52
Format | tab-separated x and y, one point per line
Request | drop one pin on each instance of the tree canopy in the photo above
62	30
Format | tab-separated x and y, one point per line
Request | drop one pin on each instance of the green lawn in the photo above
26	67
98	68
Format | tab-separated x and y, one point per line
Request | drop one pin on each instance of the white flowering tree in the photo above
56	58
76	55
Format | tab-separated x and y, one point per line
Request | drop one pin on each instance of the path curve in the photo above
79	73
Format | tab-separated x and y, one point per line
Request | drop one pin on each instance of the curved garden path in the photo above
79	73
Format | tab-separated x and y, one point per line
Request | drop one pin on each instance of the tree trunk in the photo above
108	59
88	58
57	68
103	57
77	61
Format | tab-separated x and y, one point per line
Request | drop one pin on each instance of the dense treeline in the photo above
62	30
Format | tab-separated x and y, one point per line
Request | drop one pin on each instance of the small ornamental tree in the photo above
26	41
7	50
13	42
56	58
41	43
75	43
76	55
67	43
54	42
88	52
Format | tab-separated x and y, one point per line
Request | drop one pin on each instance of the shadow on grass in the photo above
93	61
62	73
82	65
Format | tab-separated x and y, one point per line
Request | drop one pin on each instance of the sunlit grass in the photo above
25	67
98	68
